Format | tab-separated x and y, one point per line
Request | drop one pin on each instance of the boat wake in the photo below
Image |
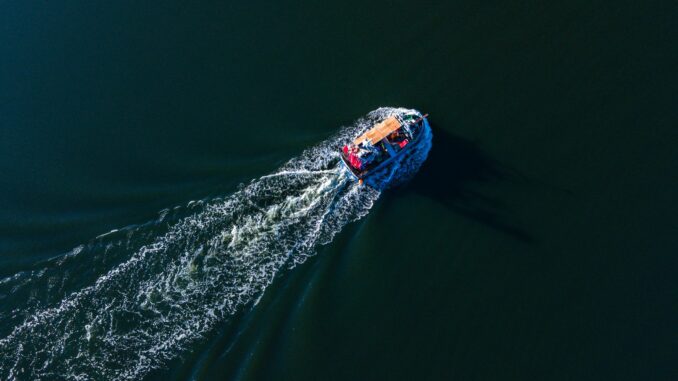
132	299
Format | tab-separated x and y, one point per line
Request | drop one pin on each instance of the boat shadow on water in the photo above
453	172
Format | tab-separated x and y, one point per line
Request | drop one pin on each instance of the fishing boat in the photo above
378	151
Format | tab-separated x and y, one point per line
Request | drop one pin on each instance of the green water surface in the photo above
540	236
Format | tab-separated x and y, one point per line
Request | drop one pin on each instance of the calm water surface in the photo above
538	240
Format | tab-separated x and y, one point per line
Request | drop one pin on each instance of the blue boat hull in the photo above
382	174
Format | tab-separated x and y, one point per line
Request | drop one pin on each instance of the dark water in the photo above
538	240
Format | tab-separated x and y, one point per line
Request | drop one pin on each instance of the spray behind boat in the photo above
135	298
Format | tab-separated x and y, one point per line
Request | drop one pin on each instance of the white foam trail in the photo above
108	233
135	298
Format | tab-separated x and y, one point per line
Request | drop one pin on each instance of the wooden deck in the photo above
379	131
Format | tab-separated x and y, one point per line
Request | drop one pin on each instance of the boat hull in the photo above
407	160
